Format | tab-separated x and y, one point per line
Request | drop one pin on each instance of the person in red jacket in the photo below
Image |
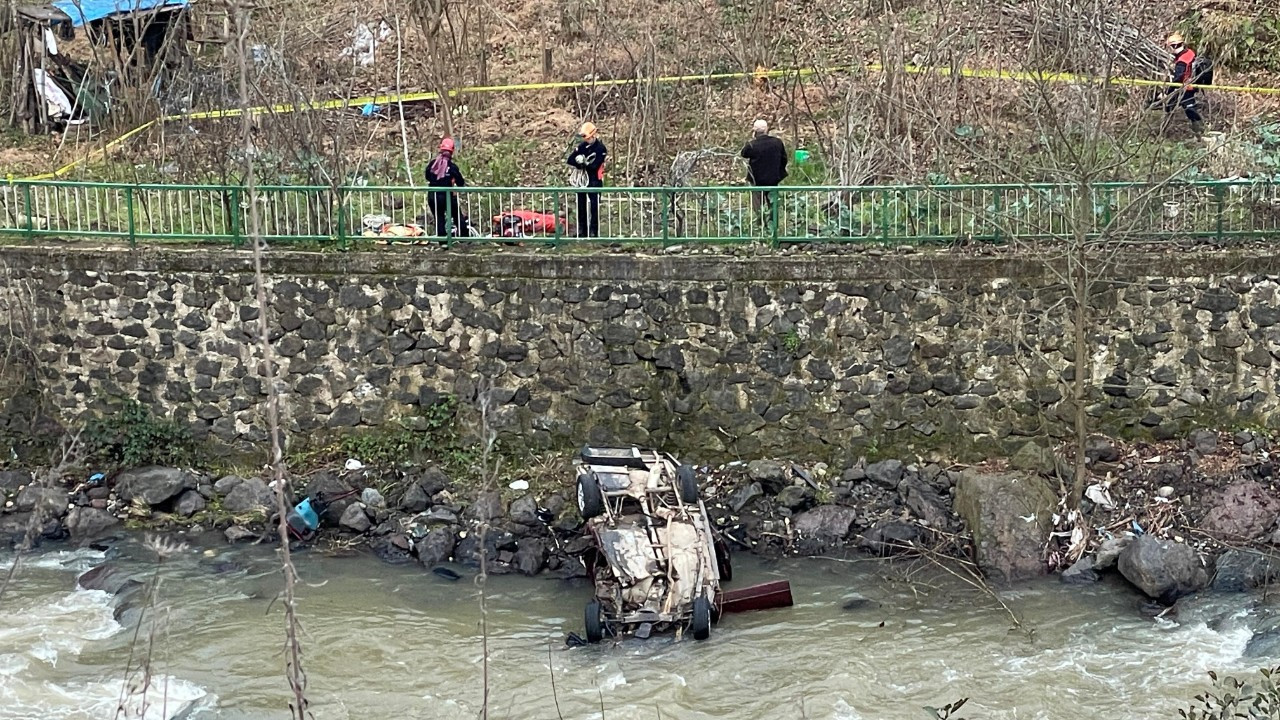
1183	94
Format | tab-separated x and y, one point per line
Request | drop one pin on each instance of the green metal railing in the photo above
158	213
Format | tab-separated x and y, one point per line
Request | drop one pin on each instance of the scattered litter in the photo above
1099	496
364	43
1137	529
519	485
354	464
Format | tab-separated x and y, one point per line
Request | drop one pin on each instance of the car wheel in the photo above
723	562
590	498
594	617
687	484
700	626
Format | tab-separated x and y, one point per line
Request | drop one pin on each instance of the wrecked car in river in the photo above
658	563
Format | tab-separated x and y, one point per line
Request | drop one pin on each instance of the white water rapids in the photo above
396	642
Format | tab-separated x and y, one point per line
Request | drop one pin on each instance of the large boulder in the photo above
487	506
771	474
1241	570
332	486
1244	511
886	473
355	519
437	546
923	501
249	495
1163	569
189	503
49	502
823	527
414	499
154	485
86	523
11	480
1010	517
530	557
891	537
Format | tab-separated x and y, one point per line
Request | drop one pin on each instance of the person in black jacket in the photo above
443	173
766	164
1182	93
587	161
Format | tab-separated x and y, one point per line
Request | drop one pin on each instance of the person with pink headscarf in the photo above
443	173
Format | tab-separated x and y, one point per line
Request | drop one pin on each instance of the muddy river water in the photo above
864	640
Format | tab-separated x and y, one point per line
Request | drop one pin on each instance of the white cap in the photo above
760	126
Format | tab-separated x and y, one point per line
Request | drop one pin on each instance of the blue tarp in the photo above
85	11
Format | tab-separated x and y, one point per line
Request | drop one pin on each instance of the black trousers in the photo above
1187	101
441	209
589	213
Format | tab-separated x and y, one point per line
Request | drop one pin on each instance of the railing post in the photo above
26	211
998	206
555	210
236	238
1218	199
774	199
342	217
667	199
128	202
448	219
884	215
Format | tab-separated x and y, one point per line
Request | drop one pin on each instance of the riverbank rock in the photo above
49	502
239	533
331	486
436	546
1010	517
823	527
189	503
487	506
771	474
1163	569
248	495
530	556
1080	573
886	473
355	519
154	485
891	537
1242	512
1241	570
86	523
414	499
127	603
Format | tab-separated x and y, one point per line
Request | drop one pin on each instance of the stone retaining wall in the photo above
820	356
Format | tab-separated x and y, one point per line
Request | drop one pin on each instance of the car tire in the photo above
724	563
593	618
590	497
700	625
687	484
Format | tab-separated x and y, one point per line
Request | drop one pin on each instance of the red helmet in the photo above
446	145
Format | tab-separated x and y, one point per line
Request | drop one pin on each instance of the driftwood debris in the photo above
1069	36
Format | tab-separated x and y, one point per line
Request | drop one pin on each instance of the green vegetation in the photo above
133	437
431	436
1233	698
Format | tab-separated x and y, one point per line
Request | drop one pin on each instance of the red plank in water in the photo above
765	596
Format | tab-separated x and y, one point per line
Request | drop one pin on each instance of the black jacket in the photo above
594	152
452	176
766	161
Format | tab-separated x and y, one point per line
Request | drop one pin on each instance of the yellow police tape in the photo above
345	103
